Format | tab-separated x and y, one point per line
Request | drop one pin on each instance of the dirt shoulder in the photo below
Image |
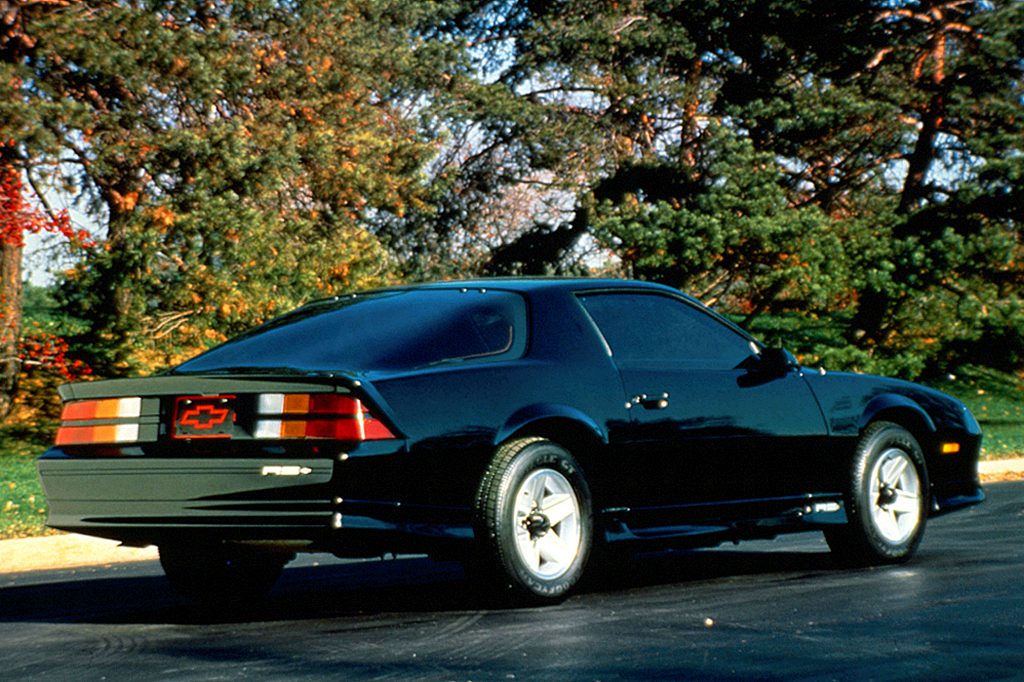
69	550
994	470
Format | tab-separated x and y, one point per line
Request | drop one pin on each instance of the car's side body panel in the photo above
722	437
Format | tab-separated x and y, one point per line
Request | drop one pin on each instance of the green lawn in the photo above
22	504
997	400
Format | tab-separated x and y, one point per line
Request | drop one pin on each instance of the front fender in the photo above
892	403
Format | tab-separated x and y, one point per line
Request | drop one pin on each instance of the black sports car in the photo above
515	424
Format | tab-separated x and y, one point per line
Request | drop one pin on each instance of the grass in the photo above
995	398
22	503
997	401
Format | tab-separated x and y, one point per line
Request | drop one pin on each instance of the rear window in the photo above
388	330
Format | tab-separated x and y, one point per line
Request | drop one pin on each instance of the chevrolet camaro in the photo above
522	426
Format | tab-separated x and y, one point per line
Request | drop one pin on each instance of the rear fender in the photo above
536	420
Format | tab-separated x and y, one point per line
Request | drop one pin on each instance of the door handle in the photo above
651	402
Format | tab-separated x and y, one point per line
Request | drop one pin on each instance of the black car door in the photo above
712	431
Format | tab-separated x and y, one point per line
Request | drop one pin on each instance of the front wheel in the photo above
533	521
886	499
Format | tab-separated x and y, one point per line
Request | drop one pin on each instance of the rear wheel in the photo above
886	499
533	521
222	574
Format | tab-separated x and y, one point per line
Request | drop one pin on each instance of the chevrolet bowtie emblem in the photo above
204	417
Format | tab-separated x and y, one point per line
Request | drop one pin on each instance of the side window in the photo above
643	328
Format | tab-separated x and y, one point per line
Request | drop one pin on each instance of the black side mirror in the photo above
776	361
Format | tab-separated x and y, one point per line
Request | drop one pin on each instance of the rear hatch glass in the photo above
398	329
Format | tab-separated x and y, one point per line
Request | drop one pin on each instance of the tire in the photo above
886	499
221	575
532	523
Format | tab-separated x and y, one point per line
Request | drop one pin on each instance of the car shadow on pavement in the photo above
407	585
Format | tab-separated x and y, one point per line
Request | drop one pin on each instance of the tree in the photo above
909	125
17	215
856	159
233	151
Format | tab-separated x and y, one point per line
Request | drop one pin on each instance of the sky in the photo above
37	260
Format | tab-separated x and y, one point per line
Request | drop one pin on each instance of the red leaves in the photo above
40	351
17	217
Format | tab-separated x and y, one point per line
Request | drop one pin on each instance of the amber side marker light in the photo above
950	448
83	421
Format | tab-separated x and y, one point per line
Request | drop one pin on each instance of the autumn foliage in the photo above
39	357
18	218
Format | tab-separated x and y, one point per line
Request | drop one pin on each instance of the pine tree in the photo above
859	160
233	152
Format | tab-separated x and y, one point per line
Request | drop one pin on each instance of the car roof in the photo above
526	285
533	284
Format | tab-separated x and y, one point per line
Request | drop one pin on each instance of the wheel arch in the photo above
561	424
565	425
904	412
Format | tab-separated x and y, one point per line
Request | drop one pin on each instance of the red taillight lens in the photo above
321	416
111	420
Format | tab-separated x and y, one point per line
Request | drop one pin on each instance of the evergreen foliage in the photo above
233	151
854	159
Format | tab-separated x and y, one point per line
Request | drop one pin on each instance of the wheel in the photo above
886	499
533	521
221	574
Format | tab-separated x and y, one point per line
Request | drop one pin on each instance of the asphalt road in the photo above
762	610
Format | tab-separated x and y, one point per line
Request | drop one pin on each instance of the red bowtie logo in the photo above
204	417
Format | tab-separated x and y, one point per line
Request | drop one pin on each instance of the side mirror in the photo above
776	361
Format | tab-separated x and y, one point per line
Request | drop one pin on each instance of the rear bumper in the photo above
290	501
146	501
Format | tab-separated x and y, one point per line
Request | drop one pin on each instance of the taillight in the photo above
112	420
319	415
115	421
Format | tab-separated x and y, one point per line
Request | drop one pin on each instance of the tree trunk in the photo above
10	324
920	160
876	307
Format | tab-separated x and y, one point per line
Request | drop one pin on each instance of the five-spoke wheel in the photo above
533	521
547	524
886	499
894	495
